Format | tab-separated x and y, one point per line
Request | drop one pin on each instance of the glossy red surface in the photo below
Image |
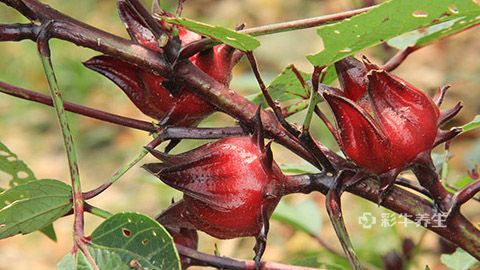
180	107
225	186
389	125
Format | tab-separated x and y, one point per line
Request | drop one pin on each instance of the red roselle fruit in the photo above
384	124
154	95
230	187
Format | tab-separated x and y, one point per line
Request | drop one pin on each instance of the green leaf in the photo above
303	216
422	37
387	20
33	206
104	259
285	86
427	267
230	37
475	123
16	168
20	174
459	260
49	231
304	167
137	237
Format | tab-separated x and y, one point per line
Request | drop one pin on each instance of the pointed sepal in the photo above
360	138
400	110
352	77
449	114
137	27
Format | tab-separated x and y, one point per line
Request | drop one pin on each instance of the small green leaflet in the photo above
104	259
303	216
33	206
237	40
285	86
475	123
134	236
304	167
459	260
387	20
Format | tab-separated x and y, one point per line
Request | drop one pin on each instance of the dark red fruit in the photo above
383	123
152	94
228	185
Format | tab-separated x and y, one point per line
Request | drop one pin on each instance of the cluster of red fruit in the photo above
231	186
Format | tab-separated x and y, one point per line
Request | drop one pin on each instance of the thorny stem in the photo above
75	108
460	230
78	223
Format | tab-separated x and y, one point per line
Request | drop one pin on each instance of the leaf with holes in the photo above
387	20
16	169
237	40
137	237
104	259
466	18
303	216
19	173
33	206
475	123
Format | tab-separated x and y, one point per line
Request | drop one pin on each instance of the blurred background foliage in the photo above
31	131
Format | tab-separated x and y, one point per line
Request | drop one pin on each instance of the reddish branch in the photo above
202	259
459	229
79	109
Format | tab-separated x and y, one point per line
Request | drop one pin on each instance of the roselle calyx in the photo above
230	187
384	124
158	97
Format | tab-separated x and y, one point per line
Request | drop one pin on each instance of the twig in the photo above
75	108
97	211
203	259
17	32
398	58
275	107
303	23
117	175
167	133
207	43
